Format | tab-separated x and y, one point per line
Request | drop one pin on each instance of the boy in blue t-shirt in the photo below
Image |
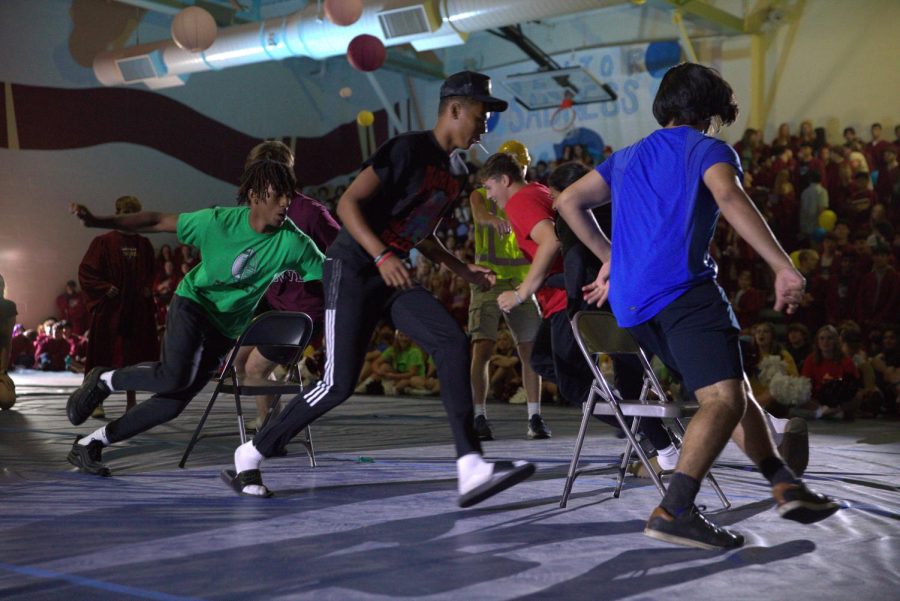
669	189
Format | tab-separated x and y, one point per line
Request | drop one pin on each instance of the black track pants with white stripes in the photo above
355	299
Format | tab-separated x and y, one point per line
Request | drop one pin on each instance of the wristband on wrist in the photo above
519	300
381	258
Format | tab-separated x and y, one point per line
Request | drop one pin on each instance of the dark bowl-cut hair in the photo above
691	94
262	174
500	164
567	174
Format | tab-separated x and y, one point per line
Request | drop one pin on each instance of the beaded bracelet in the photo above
519	300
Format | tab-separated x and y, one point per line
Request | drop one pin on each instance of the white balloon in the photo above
194	29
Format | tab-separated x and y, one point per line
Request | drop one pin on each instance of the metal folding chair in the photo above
286	330
597	333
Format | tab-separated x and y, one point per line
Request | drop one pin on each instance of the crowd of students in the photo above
835	207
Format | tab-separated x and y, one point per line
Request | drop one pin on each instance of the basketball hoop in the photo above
563	118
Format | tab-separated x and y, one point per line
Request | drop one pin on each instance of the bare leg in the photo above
257	366
531	381
752	434
481	355
722	406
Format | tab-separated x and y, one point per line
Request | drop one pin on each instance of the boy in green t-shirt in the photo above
243	249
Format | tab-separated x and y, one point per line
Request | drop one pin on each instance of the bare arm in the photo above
740	212
434	250
349	211
482	216
548	248
145	221
574	206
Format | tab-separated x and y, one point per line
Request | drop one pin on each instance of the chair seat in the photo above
648	409
261	386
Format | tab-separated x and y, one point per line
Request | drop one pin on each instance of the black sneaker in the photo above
794	447
798	503
483	428
87	458
88	397
537	428
690	529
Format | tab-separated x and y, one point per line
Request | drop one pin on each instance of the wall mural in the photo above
43	118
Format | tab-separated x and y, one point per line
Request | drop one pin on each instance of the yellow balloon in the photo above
795	258
827	219
518	150
365	118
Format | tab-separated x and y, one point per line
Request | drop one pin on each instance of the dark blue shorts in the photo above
696	336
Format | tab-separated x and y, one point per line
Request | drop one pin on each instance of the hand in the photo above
481	276
500	225
507	301
84	214
597	291
395	274
112	292
789	286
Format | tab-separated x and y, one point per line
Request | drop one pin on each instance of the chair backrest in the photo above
600	333
290	329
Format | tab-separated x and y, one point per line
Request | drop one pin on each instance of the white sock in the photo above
246	457
471	471
98	434
777	426
534	408
480	410
106	377
667	457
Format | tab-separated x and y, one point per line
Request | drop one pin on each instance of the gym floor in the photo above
377	519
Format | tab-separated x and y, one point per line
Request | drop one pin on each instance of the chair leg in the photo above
640	451
196	435
271	411
240	416
310	450
587	412
626	457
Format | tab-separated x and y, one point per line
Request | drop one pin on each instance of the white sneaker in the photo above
519	397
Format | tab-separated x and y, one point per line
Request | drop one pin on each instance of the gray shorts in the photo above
485	314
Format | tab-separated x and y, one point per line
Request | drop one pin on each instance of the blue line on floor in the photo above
107	586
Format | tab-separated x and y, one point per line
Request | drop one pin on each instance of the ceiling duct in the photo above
426	24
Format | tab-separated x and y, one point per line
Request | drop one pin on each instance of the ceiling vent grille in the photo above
136	68
411	20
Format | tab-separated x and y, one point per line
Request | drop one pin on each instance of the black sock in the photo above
680	494
776	472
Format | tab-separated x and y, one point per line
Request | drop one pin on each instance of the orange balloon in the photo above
343	12
194	29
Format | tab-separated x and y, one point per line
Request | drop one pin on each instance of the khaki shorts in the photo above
485	314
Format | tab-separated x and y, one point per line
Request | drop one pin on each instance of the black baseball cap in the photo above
476	86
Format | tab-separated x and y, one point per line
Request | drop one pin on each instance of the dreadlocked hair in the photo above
258	176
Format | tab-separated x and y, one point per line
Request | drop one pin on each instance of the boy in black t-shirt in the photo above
395	204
